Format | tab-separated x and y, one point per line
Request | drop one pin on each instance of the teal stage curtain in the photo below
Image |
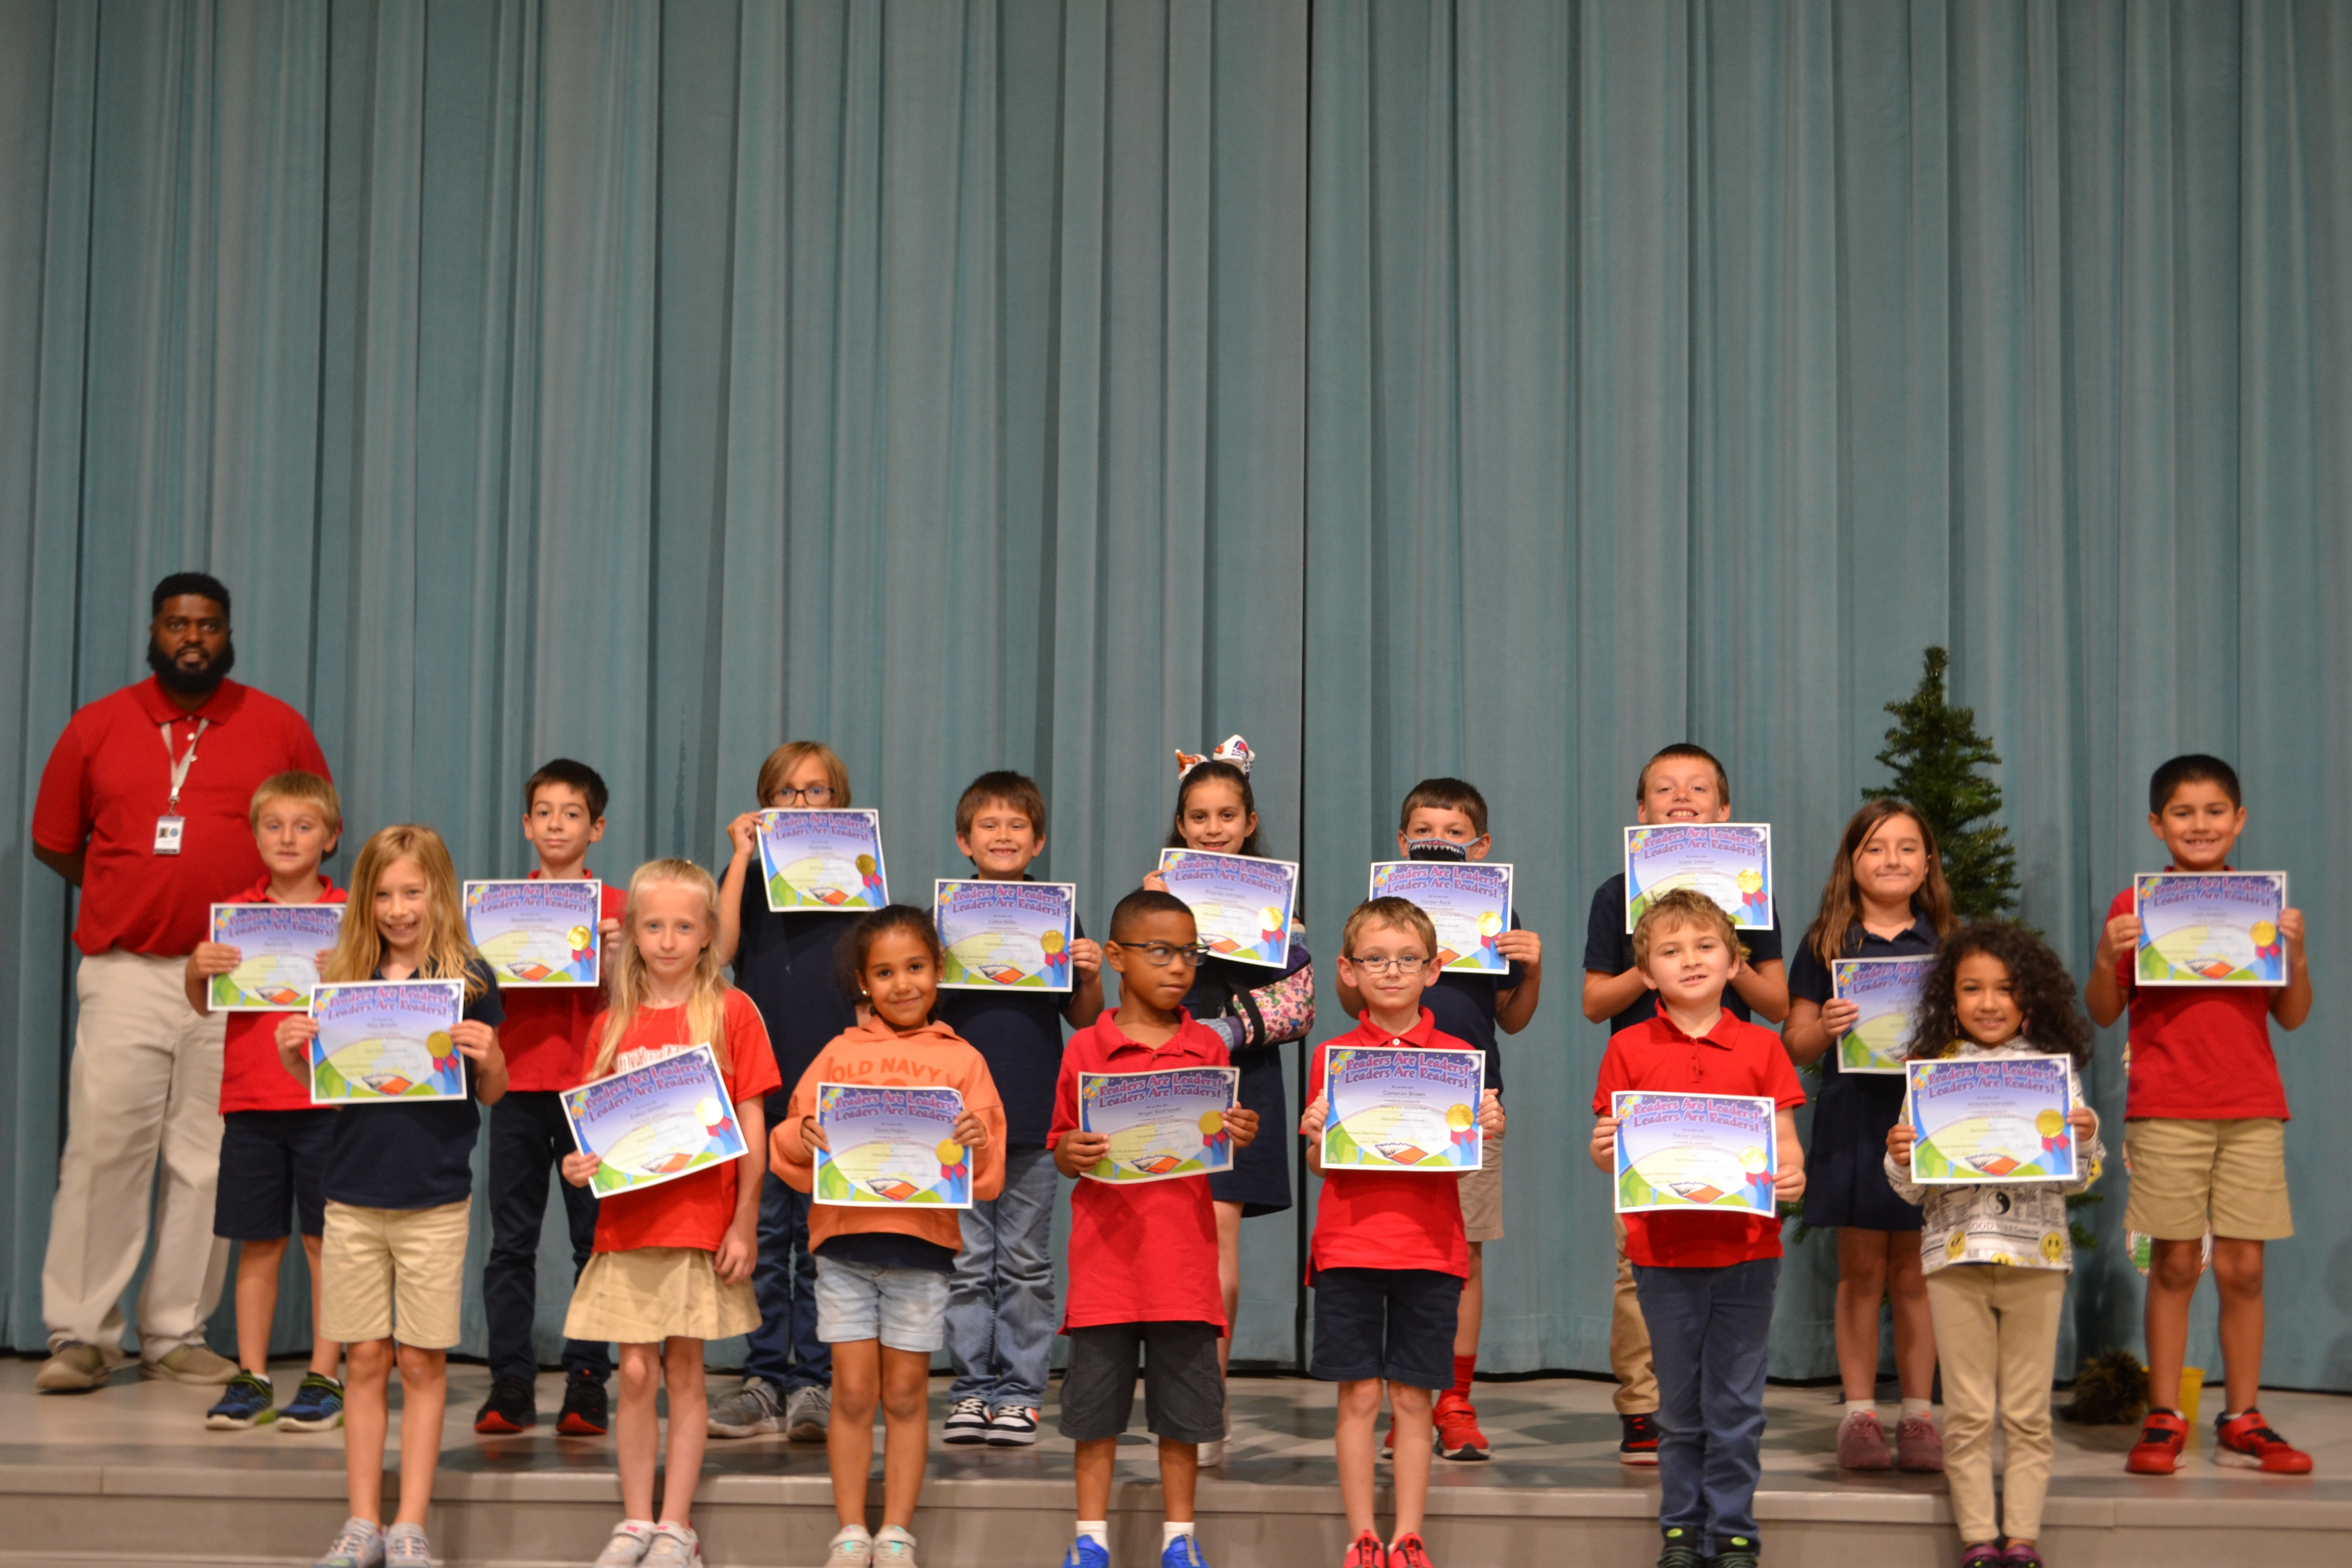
1414	387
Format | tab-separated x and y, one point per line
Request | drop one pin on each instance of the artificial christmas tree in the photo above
1935	754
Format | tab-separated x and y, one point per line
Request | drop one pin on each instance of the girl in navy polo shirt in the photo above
1885	897
399	1183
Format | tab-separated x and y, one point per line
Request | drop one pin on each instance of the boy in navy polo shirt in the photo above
1445	819
1389	1256
1682	782
1143	1257
1706	1280
563	814
1000	1296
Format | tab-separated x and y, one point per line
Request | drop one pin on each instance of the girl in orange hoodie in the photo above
882	1268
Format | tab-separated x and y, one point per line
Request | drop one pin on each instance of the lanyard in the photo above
180	765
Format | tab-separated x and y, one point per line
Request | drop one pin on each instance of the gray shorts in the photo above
1183	1394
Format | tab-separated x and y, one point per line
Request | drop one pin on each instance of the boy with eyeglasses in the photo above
1390	1254
1143	1257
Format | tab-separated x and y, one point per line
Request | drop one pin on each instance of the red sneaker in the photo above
2161	1438
2247	1441
1458	1436
1409	1553
1367	1552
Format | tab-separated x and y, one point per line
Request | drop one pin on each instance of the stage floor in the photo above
128	1473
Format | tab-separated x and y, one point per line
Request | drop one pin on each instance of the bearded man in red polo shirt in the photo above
143	807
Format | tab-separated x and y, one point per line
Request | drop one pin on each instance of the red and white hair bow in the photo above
1236	752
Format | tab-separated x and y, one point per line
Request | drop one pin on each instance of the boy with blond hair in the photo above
1706	1279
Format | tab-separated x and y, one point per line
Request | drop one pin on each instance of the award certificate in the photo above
1696	1152
385	1040
1404	1109
1240	903
1469	903
2210	928
1886	990
537	932
823	860
1161	1124
996	934
1995	1118
1730	862
891	1146
277	949
654	1123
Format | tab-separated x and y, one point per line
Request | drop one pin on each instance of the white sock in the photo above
895	1533
1861	1408
1917	1409
1168	1531
1098	1528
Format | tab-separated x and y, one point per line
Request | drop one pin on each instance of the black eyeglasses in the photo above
815	795
1408	965
1160	954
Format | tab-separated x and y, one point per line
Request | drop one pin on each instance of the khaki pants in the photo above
1629	1341
1997	1336
145	1085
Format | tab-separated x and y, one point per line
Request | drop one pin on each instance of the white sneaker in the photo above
967	1422
894	1548
853	1547
672	1546
1013	1426
627	1548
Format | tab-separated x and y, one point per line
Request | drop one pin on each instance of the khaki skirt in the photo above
650	1294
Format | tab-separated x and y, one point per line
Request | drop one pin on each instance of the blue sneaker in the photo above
318	1406
244	1403
1184	1552
1086	1552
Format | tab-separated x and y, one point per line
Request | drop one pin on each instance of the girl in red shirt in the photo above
672	1266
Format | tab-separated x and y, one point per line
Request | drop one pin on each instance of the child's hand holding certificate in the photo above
998	935
2002	1120
1718	1152
1884	991
277	948
1161	1125
2210	928
654	1123
381	1041
823	860
883	1145
1405	1110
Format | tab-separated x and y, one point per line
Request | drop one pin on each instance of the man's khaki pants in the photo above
146	1083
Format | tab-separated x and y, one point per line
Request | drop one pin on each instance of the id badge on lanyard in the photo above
172	826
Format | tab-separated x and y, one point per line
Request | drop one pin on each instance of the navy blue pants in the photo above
1708	1329
785	1348
529	1139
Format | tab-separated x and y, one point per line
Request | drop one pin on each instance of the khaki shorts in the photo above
392	1272
1482	1197
648	1294
2186	1175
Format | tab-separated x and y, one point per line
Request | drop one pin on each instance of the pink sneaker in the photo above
1862	1443
1918	1446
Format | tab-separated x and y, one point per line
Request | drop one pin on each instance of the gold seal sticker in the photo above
578	936
1751	1159
1957	1245
1050	942
2264	932
705	1110
1751	880
2053	1246
1212	1123
2048	1123
440	1045
950	1152
1458	1117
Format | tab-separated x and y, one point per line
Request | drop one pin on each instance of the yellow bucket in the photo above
2192	1384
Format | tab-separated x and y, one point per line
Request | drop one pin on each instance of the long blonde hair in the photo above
626	980
359	950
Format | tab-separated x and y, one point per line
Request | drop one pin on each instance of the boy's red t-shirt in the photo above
1734	1058
696	1210
545	1028
1147	1253
1380	1219
253	1075
2199	1053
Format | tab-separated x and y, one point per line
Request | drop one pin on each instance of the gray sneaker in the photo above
190	1363
358	1544
404	1546
628	1546
674	1546
853	1547
750	1411
807	1413
72	1368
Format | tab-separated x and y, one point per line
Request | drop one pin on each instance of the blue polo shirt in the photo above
1463	1006
413	1156
1609	949
786	963
1019	1035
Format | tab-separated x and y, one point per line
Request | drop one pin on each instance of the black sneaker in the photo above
1739	1551
513	1406
1681	1550
1640	1446
583	1406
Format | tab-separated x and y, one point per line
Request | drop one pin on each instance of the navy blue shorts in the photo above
1392	1323
273	1166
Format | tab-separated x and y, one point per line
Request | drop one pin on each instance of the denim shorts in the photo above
906	1309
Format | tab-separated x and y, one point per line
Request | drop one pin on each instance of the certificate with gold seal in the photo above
1162	1125
1990	1118
1402	1109
1730	862
536	933
1716	1152
385	1040
891	1146
654	1123
2210	928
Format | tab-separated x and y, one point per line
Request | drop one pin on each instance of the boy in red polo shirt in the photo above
1143	1258
543	1037
1705	1281
273	1158
2204	1131
1390	1253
